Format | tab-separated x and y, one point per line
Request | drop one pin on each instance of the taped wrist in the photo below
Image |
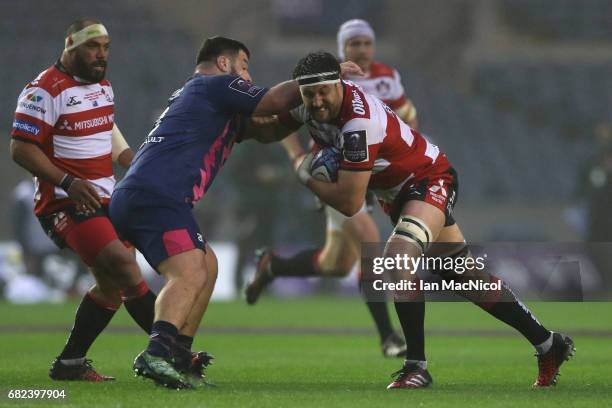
66	182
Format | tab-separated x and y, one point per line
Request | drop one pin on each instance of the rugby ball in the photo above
325	164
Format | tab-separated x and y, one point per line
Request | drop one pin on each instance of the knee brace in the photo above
414	230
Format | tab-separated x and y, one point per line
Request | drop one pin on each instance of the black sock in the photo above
162	339
374	300
380	314
91	318
182	352
412	318
142	309
504	306
300	264
184	341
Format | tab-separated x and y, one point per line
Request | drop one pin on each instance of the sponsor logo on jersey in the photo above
32	107
153	139
65	125
73	101
34	98
357	103
245	87
355	146
90	123
26	127
87	124
107	96
93	96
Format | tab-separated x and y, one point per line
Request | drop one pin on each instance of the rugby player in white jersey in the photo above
64	134
417	187
344	235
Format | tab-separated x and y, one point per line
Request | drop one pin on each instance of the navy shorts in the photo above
158	226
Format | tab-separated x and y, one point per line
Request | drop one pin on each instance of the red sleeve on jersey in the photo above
287	120
379	69
396	103
30	129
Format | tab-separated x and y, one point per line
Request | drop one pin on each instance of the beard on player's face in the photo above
239	66
91	71
323	102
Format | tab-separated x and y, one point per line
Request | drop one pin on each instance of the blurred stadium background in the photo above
518	93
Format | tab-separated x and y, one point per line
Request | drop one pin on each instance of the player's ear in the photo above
223	63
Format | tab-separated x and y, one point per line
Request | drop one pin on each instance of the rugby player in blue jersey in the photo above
172	170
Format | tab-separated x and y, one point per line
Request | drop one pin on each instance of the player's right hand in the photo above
83	193
349	68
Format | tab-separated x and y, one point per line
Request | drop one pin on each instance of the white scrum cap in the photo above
350	29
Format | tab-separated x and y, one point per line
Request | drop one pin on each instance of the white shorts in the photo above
336	220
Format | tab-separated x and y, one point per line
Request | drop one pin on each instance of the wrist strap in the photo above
66	182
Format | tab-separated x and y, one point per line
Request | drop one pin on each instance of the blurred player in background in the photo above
356	43
344	235
64	134
173	169
417	187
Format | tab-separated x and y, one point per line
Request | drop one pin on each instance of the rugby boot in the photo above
160	370
82	372
548	363
263	276
411	376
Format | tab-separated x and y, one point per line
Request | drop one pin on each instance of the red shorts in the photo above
86	235
439	190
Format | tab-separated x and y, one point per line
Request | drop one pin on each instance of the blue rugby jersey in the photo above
193	137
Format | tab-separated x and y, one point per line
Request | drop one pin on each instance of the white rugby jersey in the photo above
372	137
72	123
384	82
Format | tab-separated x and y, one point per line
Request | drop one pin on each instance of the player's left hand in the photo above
302	167
349	68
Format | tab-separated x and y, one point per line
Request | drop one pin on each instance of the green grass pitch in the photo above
319	352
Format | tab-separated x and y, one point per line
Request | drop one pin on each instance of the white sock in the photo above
73	361
545	346
420	363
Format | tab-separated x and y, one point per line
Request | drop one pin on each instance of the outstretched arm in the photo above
266	129
286	95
